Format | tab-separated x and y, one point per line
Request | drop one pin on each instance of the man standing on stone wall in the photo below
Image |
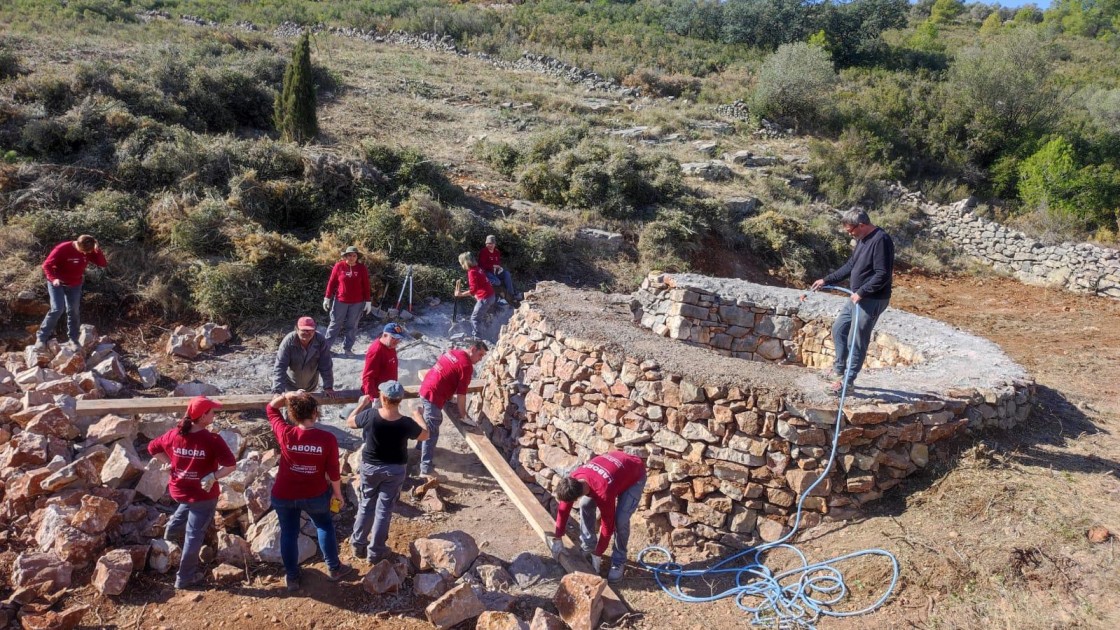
870	269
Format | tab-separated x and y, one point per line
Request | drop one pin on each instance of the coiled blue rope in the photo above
794	598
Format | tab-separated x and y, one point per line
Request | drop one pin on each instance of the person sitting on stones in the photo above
490	259
385	433
198	458
65	269
450	376
613	483
302	359
307	481
349	286
479	287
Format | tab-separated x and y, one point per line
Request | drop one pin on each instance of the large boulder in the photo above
182	343
68	362
382	578
430	585
112	428
264	540
153	426
579	600
212	335
454	607
94	515
110	368
233	549
149	376
153	481
164	556
40	574
122	466
234	440
452	552
53	421
83	471
113	570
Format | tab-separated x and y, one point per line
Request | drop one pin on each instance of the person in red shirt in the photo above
450	376
479	287
349	286
490	259
198	458
307	481
381	359
65	269
614	484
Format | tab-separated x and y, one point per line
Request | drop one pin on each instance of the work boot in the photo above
291	583
40	346
615	574
339	572
193	580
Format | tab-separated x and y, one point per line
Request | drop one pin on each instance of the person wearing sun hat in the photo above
385	432
198	457
303	358
381	359
348	286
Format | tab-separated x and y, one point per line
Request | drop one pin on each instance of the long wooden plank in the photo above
230	402
539	519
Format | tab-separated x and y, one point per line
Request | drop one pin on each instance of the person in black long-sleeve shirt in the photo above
869	271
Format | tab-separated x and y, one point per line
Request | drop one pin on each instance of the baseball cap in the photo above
305	323
199	405
395	330
491	239
393	390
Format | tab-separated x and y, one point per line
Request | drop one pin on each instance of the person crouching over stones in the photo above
349	287
613	483
385	433
65	268
450	376
490	259
303	357
198	458
479	287
307	481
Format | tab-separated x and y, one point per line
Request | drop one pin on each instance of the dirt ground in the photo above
993	535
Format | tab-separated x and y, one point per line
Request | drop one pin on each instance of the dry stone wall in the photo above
730	444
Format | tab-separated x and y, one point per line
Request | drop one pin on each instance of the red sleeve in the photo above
50	265
332	283
562	511
98	258
606	528
279	425
333	472
365	283
223	456
157	446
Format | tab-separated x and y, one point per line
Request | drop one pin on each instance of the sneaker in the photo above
291	584
502	302
40	346
347	351
339	572
73	346
189	582
615	574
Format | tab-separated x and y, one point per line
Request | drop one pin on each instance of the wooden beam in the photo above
539	519
230	402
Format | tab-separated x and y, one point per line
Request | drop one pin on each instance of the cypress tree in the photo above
295	106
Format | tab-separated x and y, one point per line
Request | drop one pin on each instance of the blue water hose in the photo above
794	598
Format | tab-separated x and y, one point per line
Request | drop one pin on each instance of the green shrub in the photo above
539	183
54	226
295	106
852	169
279	204
200	232
669	242
799	252
541	250
503	156
1051	179
226	99
49	90
408	169
794	83
9	64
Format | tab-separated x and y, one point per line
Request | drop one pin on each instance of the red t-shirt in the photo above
193	456
381	366
451	375
350	283
67	264
479	285
307	458
607	476
489	259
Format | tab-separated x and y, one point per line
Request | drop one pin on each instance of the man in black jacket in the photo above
869	268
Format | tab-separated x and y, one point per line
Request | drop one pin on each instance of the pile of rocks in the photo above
731	445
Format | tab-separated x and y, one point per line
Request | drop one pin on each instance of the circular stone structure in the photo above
717	384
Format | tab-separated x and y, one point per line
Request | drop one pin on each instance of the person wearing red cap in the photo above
304	356
65	268
348	286
381	359
307	481
449	377
198	458
479	287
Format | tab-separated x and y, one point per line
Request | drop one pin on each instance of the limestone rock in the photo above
234	440
182	343
490	620
122	466
382	578
233	549
528	569
66	620
53	421
454	607
112	428
112	572
149	376
429	585
264	540
494	577
154	425
212	335
196	388
544	620
452	552
770	530
94	515
579	600
111	368
43	573
68	362
227	574
164	556
153	482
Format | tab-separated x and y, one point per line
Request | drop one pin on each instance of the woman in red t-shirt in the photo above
307	481
198	458
479	287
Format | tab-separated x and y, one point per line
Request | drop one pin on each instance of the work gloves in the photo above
367	308
326	304
207	482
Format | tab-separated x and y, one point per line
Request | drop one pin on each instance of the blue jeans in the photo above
319	510
627	505
62	298
381	485
481	309
502	281
433	417
195	518
344	316
869	312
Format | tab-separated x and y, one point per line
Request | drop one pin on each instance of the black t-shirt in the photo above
386	441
